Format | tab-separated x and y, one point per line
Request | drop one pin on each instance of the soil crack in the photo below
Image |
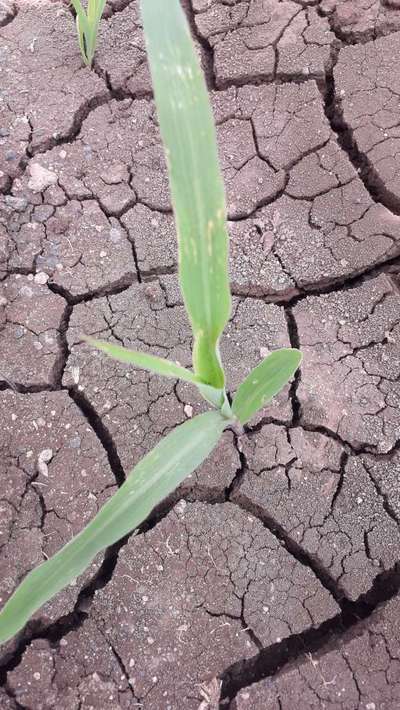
80	116
101	432
207	52
305	559
271	660
360	161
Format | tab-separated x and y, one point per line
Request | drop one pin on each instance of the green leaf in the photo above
213	395
188	132
216	397
166	368
82	28
81	40
94	14
87	25
264	382
157	475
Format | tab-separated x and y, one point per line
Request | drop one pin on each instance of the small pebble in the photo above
46	455
41	278
40	178
43	459
75	442
19	204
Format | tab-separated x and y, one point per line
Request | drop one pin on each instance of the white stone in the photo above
188	409
41	178
41	278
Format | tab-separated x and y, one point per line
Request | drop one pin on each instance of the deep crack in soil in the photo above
273	659
224	34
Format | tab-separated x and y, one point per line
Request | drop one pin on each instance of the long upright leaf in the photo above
151	480
264	382
94	13
188	132
82	28
87	25
152	363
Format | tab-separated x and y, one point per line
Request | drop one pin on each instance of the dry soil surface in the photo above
271	579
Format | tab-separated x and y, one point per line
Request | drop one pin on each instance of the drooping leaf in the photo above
152	363
188	133
157	475
264	382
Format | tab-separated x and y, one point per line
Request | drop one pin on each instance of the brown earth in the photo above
270	579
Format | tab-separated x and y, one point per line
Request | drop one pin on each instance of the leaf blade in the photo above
154	477
152	363
264	382
94	13
188	133
82	28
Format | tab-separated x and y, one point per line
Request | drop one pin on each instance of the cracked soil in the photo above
271	579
